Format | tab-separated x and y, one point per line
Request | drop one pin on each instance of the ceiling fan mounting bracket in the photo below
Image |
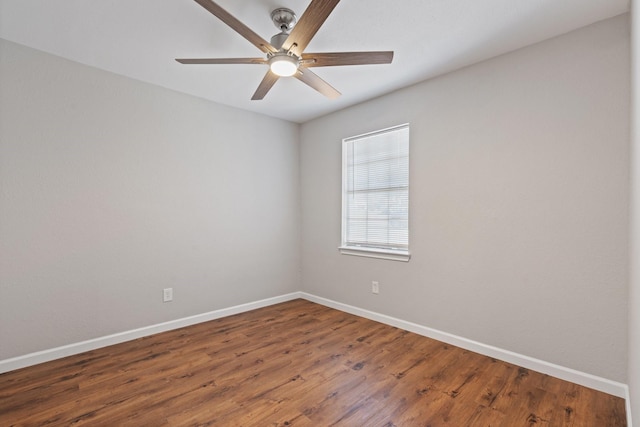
284	19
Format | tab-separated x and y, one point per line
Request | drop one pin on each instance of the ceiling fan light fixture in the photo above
283	65
286	52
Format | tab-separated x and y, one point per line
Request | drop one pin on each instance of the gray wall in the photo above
111	190
634	280
519	202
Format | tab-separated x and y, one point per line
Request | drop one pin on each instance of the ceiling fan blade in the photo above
265	85
346	58
238	26
312	79
308	24
221	60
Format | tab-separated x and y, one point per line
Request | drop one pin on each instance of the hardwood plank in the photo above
294	364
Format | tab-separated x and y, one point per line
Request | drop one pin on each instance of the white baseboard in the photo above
577	377
92	344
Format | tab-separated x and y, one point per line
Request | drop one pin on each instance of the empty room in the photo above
320	213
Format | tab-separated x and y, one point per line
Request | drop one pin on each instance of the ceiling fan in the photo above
285	53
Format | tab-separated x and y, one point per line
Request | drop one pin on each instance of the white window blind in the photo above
375	184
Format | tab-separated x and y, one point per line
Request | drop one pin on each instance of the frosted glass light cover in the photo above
283	66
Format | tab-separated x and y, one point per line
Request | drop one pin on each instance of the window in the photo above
375	194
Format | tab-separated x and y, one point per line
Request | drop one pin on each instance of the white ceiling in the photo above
141	38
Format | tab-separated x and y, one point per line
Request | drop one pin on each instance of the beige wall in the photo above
111	190
519	202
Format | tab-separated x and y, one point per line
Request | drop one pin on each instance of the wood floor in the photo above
294	364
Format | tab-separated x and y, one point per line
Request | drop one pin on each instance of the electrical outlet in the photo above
167	294
375	287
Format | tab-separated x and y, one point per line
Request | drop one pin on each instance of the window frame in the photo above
363	250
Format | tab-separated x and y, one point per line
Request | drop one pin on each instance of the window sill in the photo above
403	256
